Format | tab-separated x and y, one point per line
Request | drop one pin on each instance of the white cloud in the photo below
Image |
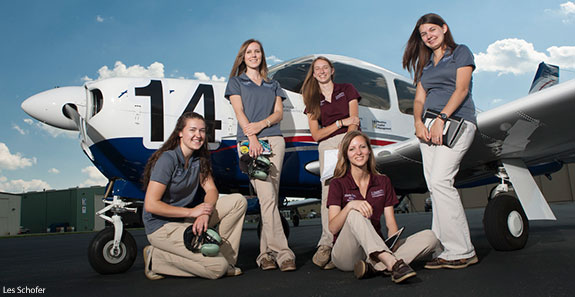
22	186
566	12
272	60
99	19
95	177
20	130
13	161
155	69
204	76
54	171
517	56
52	131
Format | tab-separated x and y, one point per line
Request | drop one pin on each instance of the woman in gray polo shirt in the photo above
257	103
172	178
443	71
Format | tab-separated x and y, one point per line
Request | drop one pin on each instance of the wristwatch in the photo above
442	116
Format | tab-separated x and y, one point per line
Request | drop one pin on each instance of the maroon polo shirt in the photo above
380	194
338	109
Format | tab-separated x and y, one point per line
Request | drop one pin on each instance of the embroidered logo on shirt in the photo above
349	197
338	96
378	193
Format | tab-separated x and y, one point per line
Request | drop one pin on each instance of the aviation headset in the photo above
208	243
255	168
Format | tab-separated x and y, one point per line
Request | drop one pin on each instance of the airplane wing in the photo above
298	203
534	129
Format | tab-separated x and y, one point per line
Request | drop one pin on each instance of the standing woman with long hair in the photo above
332	110
442	71
172	206
257	103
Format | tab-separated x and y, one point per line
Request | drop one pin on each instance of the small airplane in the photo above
122	121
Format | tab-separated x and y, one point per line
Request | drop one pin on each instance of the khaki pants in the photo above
440	165
273	242
328	144
358	239
171	257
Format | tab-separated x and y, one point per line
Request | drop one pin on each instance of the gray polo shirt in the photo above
439	82
181	185
258	102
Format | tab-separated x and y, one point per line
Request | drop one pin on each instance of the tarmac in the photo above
57	265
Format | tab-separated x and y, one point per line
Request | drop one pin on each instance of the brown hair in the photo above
343	164
173	142
416	53
311	92
240	65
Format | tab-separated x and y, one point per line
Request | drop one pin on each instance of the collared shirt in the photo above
181	182
258	102
380	194
439	82
338	108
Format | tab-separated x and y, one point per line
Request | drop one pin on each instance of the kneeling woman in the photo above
172	177
358	196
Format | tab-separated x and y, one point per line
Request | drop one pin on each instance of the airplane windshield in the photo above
405	95
372	86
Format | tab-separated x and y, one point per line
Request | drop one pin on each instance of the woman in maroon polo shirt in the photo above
358	196
332	110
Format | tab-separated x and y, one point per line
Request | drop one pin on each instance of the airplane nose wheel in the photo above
505	223
106	259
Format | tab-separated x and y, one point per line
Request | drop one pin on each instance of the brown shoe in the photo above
268	263
362	270
288	265
322	256
329	266
438	263
401	271
233	271
148	265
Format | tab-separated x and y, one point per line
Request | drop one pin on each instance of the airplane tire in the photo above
285	226
295	220
100	252
505	223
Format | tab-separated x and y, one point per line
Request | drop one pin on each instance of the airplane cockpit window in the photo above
291	76
97	101
371	85
405	95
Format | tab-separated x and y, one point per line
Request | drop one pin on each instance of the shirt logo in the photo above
338	96
349	197
378	193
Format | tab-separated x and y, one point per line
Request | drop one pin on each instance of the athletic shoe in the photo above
322	256
233	271
288	265
268	263
362	270
401	271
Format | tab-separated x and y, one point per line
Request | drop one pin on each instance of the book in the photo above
392	240
451	130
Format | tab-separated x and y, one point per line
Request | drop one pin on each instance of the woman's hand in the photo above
200	224
256	148
421	131
362	206
352	120
253	128
201	209
436	131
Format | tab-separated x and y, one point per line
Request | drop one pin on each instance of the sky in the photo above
46	44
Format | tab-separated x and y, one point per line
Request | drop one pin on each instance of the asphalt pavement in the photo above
57	265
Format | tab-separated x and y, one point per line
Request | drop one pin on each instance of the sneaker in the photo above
148	265
233	271
322	256
329	266
438	263
362	270
401	271
288	265
268	263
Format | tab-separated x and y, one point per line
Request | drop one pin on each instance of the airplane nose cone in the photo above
48	106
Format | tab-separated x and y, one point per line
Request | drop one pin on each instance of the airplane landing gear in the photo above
113	250
504	221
